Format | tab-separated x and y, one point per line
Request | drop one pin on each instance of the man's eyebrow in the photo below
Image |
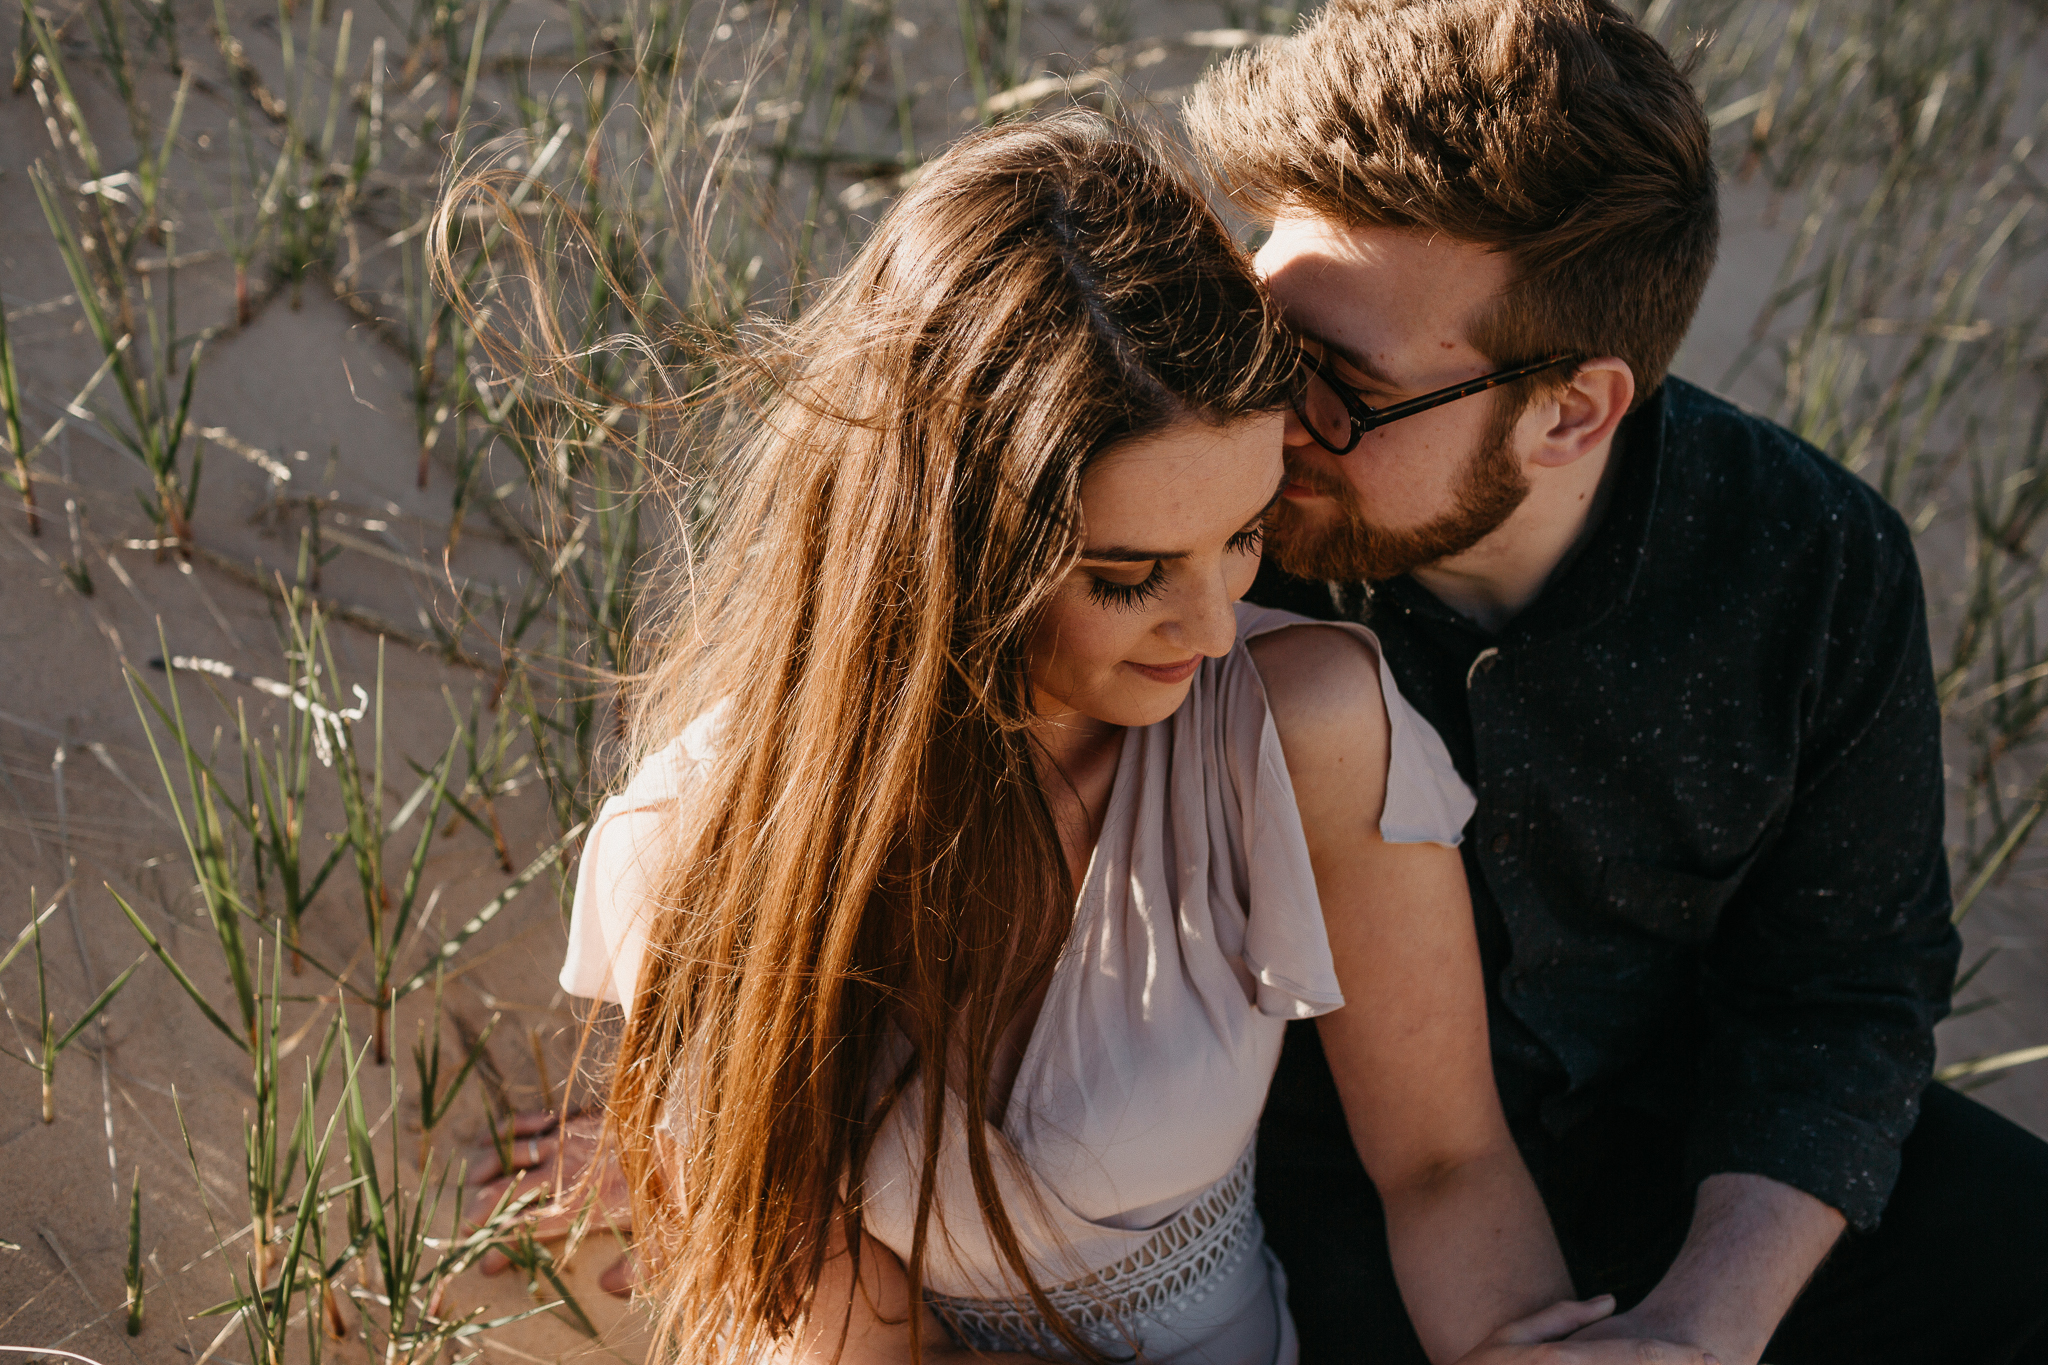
1357	360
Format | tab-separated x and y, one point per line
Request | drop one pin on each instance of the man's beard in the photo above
1491	487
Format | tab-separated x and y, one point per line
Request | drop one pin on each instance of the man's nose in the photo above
1295	434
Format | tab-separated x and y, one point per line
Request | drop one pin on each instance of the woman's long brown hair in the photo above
871	857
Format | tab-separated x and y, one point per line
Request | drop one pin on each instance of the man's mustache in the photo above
1328	485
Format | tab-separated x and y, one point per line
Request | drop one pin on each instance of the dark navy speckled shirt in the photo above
1707	861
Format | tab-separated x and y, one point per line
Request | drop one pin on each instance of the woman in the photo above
983	848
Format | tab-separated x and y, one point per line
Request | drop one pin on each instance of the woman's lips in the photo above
1169	673
1300	489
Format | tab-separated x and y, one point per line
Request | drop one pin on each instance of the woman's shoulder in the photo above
1321	678
665	773
624	857
1347	733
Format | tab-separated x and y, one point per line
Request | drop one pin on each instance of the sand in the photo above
313	385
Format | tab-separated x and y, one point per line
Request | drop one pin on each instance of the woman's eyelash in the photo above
1110	594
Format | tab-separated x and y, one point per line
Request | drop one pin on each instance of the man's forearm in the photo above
1754	1244
1472	1250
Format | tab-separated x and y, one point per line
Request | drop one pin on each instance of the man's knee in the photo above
1977	1183
1967	1165
1957	1270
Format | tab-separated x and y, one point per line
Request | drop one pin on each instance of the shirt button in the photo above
1501	842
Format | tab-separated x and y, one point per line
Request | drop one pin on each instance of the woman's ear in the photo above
1584	414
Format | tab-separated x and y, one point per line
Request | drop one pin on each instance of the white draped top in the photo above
1197	935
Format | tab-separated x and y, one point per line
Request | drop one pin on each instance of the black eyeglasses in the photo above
1338	418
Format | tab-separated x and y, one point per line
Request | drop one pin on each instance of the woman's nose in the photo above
1208	622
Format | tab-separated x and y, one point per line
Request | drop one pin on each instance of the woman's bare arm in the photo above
1472	1246
876	1324
873	1317
1473	1249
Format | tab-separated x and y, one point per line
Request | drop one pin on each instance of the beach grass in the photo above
664	176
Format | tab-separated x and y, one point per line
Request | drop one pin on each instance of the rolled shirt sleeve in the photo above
1835	957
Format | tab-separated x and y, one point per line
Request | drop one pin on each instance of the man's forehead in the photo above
1369	288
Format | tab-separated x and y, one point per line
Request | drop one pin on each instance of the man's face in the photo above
1391	310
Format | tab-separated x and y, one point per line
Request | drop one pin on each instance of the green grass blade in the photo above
111	346
106	998
401	914
476	922
134	1275
178	973
1985	1065
446	1101
28	931
469	817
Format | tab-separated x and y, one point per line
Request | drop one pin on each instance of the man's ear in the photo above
1583	415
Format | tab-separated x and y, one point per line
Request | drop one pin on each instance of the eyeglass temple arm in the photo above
1379	417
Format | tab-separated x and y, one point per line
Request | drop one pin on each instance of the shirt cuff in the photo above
1846	1163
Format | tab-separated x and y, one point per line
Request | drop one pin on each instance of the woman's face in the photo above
1170	526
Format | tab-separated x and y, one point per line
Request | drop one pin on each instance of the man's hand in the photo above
1538	1340
540	1156
1754	1244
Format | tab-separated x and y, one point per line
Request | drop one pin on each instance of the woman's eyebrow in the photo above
1278	488
1124	554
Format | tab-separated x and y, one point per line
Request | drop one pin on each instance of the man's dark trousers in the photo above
1955	1274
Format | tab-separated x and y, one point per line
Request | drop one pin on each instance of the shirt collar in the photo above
1602	572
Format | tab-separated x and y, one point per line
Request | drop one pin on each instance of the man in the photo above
1682	659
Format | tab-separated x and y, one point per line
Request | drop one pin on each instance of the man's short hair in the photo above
1554	131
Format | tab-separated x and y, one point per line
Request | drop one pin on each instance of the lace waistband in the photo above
1179	1265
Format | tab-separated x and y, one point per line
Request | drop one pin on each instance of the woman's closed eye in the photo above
1115	588
1132	585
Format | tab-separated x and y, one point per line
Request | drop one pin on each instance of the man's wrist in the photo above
1754	1244
1678	1313
1660	1322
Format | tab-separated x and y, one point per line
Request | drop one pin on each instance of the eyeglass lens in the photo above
1319	406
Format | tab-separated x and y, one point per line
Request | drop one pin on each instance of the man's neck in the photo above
1492	582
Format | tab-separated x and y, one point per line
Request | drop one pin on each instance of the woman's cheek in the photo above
1239	573
1092	637
1076	644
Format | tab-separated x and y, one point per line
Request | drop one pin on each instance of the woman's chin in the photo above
1141	702
1120	696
